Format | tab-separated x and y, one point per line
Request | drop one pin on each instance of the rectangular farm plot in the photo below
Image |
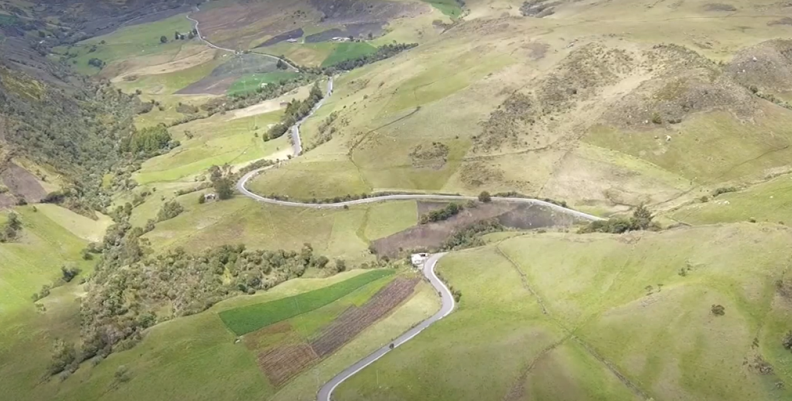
282	363
357	319
250	318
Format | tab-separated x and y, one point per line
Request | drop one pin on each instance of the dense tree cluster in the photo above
11	228
149	142
96	62
169	210
640	220
382	53
296	111
132	288
450	210
471	235
73	129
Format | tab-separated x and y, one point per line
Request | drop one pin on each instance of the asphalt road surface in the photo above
242	187
295	129
448	305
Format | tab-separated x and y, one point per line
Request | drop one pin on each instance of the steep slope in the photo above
587	104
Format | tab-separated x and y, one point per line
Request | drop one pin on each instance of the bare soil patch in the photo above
433	235
209	86
363	29
293	34
184	62
356	319
22	183
239	25
7	201
222	77
282	363
782	21
719	7
536	50
355	11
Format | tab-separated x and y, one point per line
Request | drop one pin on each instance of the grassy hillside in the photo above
173	350
47	242
127	43
336	233
596	114
683	106
574	321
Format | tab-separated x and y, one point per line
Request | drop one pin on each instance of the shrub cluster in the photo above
451	210
169	210
640	220
149	142
471	236
131	288
295	111
382	53
11	228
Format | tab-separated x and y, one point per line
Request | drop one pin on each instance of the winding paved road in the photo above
428	269
214	46
295	129
448	305
242	187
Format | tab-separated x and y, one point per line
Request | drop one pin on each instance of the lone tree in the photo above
485	197
281	65
223	188
163	39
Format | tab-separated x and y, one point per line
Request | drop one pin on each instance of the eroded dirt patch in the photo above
22	183
719	7
282	363
433	235
357	11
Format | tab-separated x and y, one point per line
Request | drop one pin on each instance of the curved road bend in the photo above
295	129
242	187
447	306
214	46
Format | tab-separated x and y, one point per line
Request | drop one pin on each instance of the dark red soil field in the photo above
22	183
432	235
282	363
357	319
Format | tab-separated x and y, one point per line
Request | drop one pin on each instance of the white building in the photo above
418	259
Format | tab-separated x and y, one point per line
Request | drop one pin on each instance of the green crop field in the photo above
8	20
347	51
450	8
604	105
158	85
200	351
251	318
128	42
250	83
613	304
